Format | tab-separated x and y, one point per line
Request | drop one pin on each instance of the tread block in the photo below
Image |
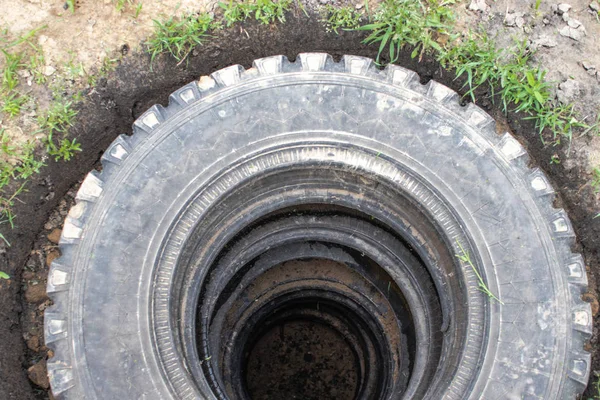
70	232
576	271
401	76
228	76
579	367
60	376
58	278
357	65
582	318
91	188
78	210
441	93
478	118
269	65
55	327
118	150
186	95
561	226
539	183
510	147
313	62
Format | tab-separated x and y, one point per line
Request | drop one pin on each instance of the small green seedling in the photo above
466	258
346	18
3	275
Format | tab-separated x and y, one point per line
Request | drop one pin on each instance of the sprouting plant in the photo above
466	258
13	61
341	18
65	151
401	23
476	58
3	275
595	182
57	119
264	11
71	5
13	103
179	36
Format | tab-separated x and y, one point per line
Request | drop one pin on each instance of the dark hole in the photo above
301	359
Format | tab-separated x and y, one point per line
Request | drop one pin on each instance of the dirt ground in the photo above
96	30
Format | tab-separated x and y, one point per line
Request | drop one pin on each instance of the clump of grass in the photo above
12	62
336	18
71	6
466	258
65	150
264	11
417	24
16	165
595	182
121	5
179	36
55	122
12	103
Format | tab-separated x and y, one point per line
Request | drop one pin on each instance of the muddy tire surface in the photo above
328	197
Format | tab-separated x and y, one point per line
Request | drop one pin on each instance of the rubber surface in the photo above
105	326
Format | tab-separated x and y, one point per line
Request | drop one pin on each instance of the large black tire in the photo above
114	325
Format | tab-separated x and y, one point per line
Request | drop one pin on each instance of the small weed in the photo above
560	119
6	204
179	36
37	62
73	68
13	103
3	275
595	182
466	258
56	120
71	6
138	10
347	18
264	11
65	151
13	61
476	58
401	23
121	5
555	159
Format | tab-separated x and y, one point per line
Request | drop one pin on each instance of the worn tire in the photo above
111	338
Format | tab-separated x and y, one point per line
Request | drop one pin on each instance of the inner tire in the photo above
321	196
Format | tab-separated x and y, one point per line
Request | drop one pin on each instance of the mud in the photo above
301	360
111	108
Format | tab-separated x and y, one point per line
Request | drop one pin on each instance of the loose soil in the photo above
112	106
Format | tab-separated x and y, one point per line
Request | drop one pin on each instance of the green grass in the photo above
427	28
264	11
336	18
12	63
71	5
595	182
408	23
179	36
466	258
55	122
122	5
65	150
12	103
